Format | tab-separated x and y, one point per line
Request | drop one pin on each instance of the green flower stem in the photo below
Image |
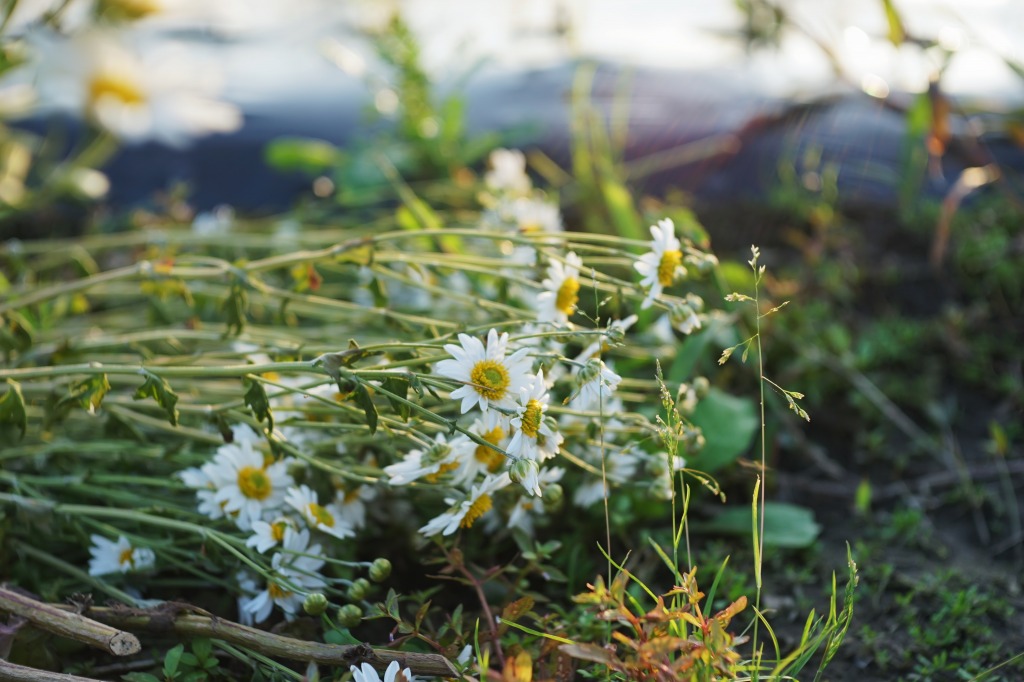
163	371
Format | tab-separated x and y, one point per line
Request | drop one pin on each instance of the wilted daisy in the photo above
294	574
326	518
507	171
430	463
266	535
463	512
561	290
249	486
488	376
117	557
529	422
659	266
393	674
595	383
156	95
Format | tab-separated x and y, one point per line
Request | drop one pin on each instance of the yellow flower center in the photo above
490	379
254	483
131	9
479	507
320	515
492	458
277	530
445	468
531	418
116	86
126	557
277	592
670	260
567	296
530	226
351	496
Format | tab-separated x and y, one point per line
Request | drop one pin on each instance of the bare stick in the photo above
174	617
9	672
69	624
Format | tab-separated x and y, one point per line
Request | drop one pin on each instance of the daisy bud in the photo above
553	496
589	372
701	386
358	589
380	569
349	615
525	472
315	604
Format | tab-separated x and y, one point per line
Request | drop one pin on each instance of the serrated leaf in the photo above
257	400
89	392
400	387
159	390
12	408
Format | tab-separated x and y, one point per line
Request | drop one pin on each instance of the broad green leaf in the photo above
400	387
785	525
159	390
729	424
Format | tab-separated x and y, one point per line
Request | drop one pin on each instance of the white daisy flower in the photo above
157	95
248	485
266	535
526	508
430	463
493	427
118	557
659	266
561	290
324	518
507	171
529	422
464	511
392	674
534	215
294	574
351	500
620	466
596	382
488	376
206	492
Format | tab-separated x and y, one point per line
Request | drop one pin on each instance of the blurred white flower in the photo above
117	557
596	382
266	535
429	463
160	94
507	171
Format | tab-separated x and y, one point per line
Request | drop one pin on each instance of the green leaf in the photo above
236	308
785	525
159	390
171	660
12	408
897	33
340	636
202	647
257	400
400	387
89	392
140	677
729	424
362	397
15	332
623	213
304	154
